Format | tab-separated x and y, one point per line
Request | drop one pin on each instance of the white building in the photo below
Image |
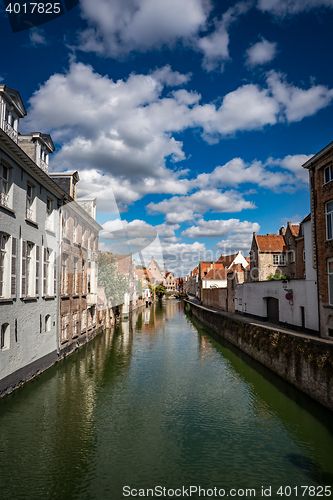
293	302
29	242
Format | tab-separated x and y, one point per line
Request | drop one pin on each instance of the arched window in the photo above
5	336
47	323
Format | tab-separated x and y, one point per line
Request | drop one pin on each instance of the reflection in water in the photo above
157	401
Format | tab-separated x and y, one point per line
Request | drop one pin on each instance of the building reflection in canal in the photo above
158	400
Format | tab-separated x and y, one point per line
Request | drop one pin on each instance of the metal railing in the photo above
43	165
29	214
10	131
4	199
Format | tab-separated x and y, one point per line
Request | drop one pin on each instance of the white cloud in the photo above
235	243
282	8
220	228
272	174
261	53
36	37
200	201
121	26
215	46
120	134
297	103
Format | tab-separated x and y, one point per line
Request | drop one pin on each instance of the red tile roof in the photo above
271	243
141	274
124	263
216	274
295	229
227	259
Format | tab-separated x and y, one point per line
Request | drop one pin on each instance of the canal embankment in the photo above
303	361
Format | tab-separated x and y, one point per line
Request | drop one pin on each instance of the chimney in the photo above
282	230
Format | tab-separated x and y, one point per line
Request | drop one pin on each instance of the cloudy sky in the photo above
189	119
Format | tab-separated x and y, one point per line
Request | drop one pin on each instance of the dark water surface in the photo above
159	402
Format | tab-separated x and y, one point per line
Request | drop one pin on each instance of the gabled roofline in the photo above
19	108
316	157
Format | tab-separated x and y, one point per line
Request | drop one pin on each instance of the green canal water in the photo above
159	402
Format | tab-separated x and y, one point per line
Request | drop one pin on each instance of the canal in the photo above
159	402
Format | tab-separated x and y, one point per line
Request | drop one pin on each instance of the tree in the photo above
277	276
115	283
160	290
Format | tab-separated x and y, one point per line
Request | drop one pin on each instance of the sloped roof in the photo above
124	263
271	243
195	271
216	274
295	229
307	218
226	260
141	274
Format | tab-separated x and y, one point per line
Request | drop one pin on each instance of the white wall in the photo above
207	283
251	299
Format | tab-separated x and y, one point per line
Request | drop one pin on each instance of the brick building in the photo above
320	169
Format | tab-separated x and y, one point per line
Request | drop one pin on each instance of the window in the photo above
46	271
30	200
3	265
49	211
75	231
328	174
63	288
64	220
330	281
84	320
29	269
303	254
5	336
279	260
47	323
64	328
75	325
4	185
75	277
329	220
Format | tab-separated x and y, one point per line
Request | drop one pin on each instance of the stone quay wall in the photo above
306	363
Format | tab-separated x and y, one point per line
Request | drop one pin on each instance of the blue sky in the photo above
192	117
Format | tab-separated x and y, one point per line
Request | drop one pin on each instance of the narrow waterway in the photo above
160	402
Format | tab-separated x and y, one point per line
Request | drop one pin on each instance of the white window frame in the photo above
30	213
330	281
279	259
30	269
5	336
64	222
328	174
4	265
76	276
4	185
329	220
64	328
48	322
75	230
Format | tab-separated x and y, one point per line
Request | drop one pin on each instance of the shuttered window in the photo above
24	269
37	269
14	266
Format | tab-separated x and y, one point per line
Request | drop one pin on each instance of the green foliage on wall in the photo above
115	283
